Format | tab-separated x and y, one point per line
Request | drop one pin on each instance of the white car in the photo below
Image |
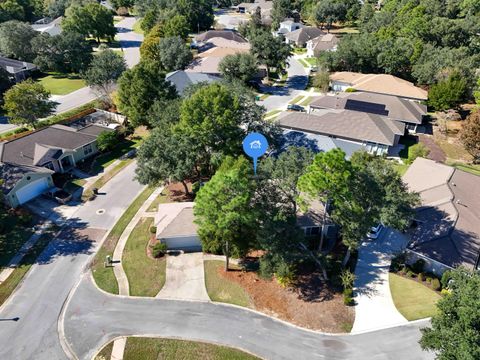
375	232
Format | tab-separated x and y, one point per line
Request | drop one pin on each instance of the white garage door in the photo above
32	190
183	243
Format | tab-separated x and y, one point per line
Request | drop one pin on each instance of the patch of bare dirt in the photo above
176	192
436	153
310	303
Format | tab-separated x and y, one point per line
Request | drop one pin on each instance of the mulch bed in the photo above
177	192
310	303
436	153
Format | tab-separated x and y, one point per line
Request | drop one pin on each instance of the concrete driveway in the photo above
185	277
374	305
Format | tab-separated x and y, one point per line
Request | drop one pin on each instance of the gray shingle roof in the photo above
345	124
226	34
15	66
181	79
393	107
11	174
304	34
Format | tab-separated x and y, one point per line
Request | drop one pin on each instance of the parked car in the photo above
375	232
295	107
129	155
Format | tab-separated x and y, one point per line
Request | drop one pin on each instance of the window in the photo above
312	230
87	149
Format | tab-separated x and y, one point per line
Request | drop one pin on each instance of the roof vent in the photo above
21	154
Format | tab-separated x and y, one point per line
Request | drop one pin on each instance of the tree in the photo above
270	51
5	82
448	93
66	53
26	102
240	66
173	53
281	9
149	20
223	211
11	10
139	88
107	140
199	13
476	93
470	135
176	26
329	11
15	40
321	81
455	327
91	19
103	72
149	50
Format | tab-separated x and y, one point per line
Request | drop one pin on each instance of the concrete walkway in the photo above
185	278
374	305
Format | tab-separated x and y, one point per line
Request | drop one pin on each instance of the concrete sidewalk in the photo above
374	305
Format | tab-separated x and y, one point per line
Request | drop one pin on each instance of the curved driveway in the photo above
93	318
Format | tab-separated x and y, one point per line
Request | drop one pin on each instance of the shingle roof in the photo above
226	34
449	227
181	79
304	34
182	225
345	124
15	66
324	42
380	83
11	174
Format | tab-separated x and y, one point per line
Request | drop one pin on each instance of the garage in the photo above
32	190
181	231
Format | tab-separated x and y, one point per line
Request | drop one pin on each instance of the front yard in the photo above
412	299
143	348
61	84
146	275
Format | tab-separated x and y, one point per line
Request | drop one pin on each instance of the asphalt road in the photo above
94	318
40	298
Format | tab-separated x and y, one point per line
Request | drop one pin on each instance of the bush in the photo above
350	90
410	273
159	250
415	151
265	269
153	229
347	278
428	279
445	292
421	277
348	292
348	300
285	274
196	187
436	284
446	276
322	81
107	140
418	266
398	262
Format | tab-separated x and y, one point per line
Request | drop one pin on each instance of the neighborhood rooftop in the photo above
14	66
225	34
391	106
380	83
449	216
345	124
304	34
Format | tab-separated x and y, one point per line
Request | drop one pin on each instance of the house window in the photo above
312	230
87	149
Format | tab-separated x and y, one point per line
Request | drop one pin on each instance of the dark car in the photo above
295	107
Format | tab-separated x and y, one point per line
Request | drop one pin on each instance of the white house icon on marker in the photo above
255	144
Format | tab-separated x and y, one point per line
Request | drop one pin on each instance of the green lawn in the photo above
412	299
471	168
9	285
304	63
168	349
400	168
299	51
306	101
146	276
12	239
105	353
163	198
137	28
296	99
223	290
272	113
312	61
60	84
104	276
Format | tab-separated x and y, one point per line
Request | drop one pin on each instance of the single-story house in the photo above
447	234
29	161
18	70
287	26
300	37
395	108
182	79
176	227
229	35
250	7
323	42
377	83
48	26
345	129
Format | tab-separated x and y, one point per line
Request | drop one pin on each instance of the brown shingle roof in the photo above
226	34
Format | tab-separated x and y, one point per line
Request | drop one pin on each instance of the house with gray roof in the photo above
447	232
18	70
182	79
323	42
345	129
28	162
48	26
395	108
301	36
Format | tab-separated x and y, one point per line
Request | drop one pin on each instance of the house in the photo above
250	8
48	26
287	26
377	83
300	37
229	35
395	108
323	42
182	79
18	70
447	233
176	227
349	130
29	161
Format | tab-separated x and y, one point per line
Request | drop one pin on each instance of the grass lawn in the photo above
299	50
146	276
263	96
400	168
9	285
137	28
12	239
306	101
471	168
223	290
412	299
104	276
303	62
296	99
272	113
407	141
311	61
61	84
168	349
163	198
105	353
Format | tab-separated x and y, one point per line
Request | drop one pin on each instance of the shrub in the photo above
428	279
446	276
418	266
159	250
196	187
25	219
415	151
421	277
106	140
348	292
265	267
398	262
322	81
445	292
348	300
347	278
153	229
350	90
285	274
436	284
410	273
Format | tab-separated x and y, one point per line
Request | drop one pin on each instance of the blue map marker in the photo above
255	145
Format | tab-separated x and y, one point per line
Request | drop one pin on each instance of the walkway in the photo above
375	308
